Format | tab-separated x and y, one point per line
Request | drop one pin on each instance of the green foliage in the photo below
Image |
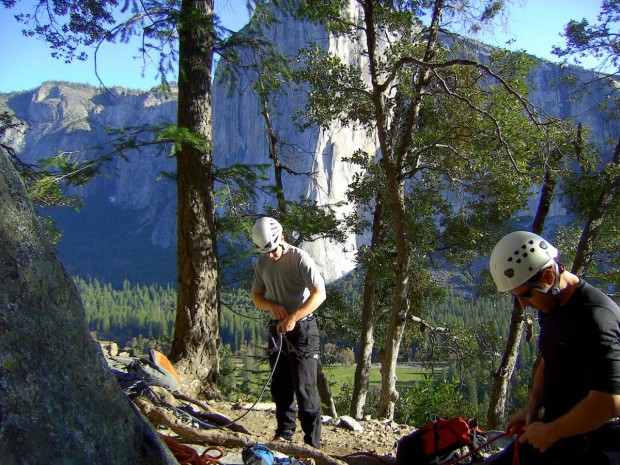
250	373
337	92
598	40
242	324
182	137
345	395
44	187
85	25
492	10
328	12
591	190
312	221
433	396
228	370
420	403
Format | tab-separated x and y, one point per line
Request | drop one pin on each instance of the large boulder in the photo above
59	403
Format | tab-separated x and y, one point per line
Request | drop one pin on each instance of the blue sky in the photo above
25	63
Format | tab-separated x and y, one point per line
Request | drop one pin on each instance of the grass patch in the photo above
254	376
406	376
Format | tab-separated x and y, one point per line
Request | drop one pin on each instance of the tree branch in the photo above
485	113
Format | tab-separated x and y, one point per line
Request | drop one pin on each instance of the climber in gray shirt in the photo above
288	284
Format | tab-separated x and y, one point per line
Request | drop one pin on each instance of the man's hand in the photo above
538	435
287	324
278	312
525	416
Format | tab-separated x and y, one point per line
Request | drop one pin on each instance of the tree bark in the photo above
499	394
367	341
400	304
196	337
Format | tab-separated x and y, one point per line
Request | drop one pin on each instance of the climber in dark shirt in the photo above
572	409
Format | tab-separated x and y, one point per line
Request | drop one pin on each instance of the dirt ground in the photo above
378	437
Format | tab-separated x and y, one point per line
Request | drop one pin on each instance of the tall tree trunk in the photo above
196	338
499	394
367	341
496	414
273	154
400	303
394	143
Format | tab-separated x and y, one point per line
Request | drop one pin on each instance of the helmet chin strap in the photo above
555	289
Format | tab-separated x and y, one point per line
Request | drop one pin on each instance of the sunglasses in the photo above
531	288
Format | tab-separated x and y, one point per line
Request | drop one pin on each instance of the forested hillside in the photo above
148	312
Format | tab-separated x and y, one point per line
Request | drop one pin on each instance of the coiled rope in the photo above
186	455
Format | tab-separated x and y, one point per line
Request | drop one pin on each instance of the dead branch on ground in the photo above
160	416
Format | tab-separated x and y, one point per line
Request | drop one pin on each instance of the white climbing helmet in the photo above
517	257
266	234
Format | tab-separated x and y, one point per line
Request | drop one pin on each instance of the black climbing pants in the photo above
295	376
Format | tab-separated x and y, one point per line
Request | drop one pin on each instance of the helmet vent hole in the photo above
518	260
509	259
509	273
525	255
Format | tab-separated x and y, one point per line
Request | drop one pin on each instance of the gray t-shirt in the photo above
288	280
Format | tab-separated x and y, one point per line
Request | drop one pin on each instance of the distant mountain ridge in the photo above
127	227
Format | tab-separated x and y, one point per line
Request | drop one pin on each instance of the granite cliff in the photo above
127	227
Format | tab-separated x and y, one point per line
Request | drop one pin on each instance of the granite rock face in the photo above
59	403
66	117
